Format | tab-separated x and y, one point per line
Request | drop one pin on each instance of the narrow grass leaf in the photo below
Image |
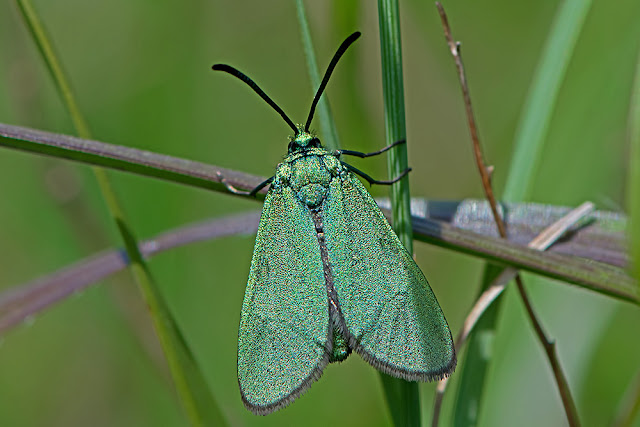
633	180
327	125
403	397
192	388
540	103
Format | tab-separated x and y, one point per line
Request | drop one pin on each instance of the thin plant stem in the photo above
327	124
541	242
547	343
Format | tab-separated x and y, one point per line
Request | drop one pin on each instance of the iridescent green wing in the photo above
284	341
390	312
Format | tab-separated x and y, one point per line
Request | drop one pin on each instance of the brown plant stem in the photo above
541	242
547	343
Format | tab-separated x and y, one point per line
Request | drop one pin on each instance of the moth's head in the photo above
303	141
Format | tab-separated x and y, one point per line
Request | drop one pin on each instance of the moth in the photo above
329	276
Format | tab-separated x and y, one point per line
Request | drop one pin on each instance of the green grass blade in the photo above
474	369
393	93
327	125
528	146
633	180
345	17
193	390
540	104
194	393
403	397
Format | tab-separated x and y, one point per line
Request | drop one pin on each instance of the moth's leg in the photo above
234	190
375	153
372	181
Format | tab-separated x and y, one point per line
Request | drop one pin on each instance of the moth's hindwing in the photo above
284	341
392	316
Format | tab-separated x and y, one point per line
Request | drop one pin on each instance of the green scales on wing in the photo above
329	276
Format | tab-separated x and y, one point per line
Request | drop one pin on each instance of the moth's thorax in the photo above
308	174
303	141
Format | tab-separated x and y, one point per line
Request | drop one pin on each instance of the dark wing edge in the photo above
405	374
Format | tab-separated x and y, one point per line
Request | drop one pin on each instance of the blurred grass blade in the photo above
329	133
403	397
22	301
538	108
633	180
528	147
472	377
345	18
192	388
629	407
194	393
345	15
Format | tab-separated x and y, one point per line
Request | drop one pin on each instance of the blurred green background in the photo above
141	73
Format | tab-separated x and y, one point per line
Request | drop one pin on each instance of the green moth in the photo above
328	277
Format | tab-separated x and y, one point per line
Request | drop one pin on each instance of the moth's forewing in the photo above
391	314
284	339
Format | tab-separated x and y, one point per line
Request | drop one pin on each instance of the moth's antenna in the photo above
343	47
229	69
